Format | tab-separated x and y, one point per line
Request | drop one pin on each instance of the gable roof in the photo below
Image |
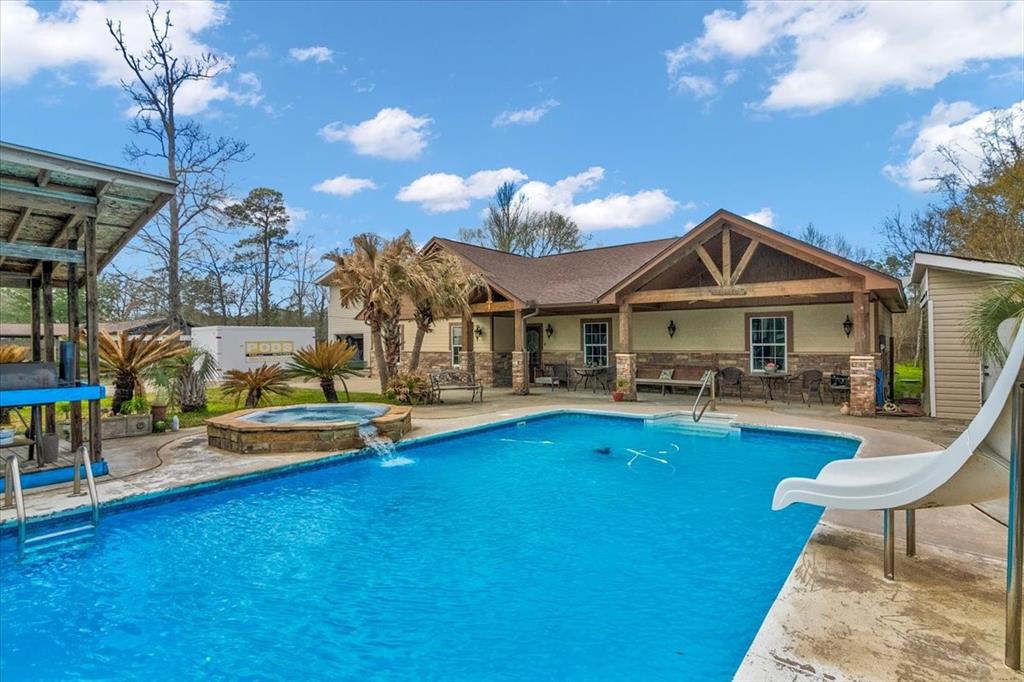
973	266
560	279
874	279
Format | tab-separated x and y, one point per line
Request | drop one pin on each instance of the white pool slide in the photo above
971	470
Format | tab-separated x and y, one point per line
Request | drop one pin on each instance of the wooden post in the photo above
36	329
73	335
519	332
625	324
861	324
92	332
468	340
47	320
727	256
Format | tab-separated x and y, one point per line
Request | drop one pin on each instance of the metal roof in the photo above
44	195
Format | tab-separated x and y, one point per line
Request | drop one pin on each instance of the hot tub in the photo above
331	427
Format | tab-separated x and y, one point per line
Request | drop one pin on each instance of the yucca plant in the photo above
1004	301
193	371
325	361
256	385
9	353
129	358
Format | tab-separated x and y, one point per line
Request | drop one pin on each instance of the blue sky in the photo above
636	119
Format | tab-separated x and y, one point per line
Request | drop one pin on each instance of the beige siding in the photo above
816	329
957	369
438	340
342	320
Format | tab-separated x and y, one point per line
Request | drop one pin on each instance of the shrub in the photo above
136	405
159	426
255	385
409	389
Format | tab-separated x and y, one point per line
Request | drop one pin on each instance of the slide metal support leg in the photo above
911	532
1015	531
889	543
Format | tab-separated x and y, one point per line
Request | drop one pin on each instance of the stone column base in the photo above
625	370
862	385
520	372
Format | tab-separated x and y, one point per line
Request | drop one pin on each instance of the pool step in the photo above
713	428
59	537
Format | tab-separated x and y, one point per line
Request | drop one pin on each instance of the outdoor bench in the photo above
454	380
680	377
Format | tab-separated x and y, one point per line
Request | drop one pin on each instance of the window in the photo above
768	339
595	343
456	343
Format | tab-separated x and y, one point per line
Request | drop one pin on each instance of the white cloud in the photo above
615	210
953	126
344	186
765	217
363	85
443	192
296	215
317	53
75	34
831	53
391	134
524	116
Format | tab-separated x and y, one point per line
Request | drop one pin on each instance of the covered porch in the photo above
760	309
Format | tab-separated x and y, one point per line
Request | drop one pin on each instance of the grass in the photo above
902	387
217	404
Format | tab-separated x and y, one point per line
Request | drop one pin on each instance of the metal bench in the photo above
454	380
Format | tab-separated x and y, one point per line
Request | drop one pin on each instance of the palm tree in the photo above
1002	302
192	372
445	291
324	361
129	358
257	385
375	274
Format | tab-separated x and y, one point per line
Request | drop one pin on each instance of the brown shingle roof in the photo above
566	278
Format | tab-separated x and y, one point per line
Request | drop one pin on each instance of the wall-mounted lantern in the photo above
671	328
848	326
549	330
881	343
478	331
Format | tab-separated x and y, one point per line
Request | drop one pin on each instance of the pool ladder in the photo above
12	487
709	376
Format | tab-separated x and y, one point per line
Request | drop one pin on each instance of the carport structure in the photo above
62	220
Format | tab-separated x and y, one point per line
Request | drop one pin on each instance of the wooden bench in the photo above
681	377
454	380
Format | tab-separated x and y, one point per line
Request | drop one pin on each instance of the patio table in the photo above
588	376
772	380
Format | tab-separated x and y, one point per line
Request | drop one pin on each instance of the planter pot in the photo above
618	396
120	426
158	412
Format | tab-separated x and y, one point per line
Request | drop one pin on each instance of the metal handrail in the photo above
12	476
82	457
708	375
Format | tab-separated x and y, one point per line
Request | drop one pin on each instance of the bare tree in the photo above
920	231
307	298
193	158
510	226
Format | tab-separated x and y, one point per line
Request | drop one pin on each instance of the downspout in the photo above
522	332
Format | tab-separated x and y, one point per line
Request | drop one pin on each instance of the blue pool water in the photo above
527	552
318	413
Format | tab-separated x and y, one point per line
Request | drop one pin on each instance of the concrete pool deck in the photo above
835	617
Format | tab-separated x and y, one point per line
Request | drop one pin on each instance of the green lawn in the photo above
902	387
218	404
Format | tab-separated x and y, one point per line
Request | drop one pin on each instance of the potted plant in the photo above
158	408
621	386
770	367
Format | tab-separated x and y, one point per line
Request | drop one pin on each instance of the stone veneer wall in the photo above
230	432
493	369
862	385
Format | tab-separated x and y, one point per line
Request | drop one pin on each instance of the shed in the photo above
245	348
956	380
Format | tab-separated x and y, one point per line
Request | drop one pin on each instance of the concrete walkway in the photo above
835	618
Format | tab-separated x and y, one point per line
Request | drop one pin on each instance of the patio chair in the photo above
809	382
554	375
604	379
730	378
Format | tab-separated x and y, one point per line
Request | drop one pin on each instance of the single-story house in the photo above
729	292
344	323
955	380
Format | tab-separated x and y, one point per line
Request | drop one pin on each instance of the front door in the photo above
535	346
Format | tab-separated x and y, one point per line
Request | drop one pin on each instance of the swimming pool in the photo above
546	550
